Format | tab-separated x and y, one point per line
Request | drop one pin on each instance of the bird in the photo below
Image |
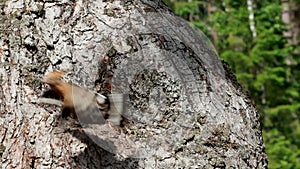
87	106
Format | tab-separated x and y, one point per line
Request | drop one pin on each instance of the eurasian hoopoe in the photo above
84	104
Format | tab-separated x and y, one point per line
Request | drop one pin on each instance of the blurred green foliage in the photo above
267	65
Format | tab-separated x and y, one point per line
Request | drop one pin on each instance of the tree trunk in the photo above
290	16
251	17
184	106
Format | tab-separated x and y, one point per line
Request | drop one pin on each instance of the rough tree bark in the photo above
184	103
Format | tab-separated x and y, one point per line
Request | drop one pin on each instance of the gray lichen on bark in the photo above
186	106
